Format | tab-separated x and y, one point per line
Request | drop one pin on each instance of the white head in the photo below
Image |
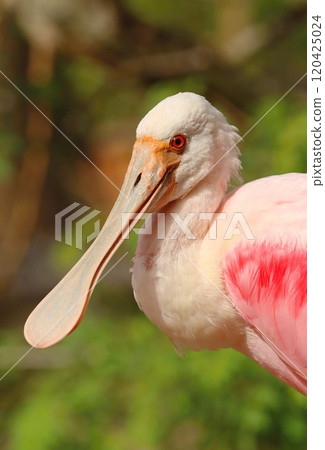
178	143
210	140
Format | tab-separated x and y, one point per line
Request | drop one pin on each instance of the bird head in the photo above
178	143
185	138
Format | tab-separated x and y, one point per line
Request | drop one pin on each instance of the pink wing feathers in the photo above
266	279
268	286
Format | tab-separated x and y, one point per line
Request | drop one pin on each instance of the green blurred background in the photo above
95	68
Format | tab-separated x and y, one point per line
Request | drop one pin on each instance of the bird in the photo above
220	267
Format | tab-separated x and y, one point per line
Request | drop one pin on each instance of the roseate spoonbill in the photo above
205	292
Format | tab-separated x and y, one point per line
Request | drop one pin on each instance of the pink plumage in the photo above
267	279
267	284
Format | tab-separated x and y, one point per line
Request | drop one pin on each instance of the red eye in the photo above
178	142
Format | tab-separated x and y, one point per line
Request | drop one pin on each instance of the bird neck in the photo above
190	217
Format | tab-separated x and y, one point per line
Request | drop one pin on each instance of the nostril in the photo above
138	179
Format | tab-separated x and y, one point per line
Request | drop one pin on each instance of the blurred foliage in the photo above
95	68
126	388
282	152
